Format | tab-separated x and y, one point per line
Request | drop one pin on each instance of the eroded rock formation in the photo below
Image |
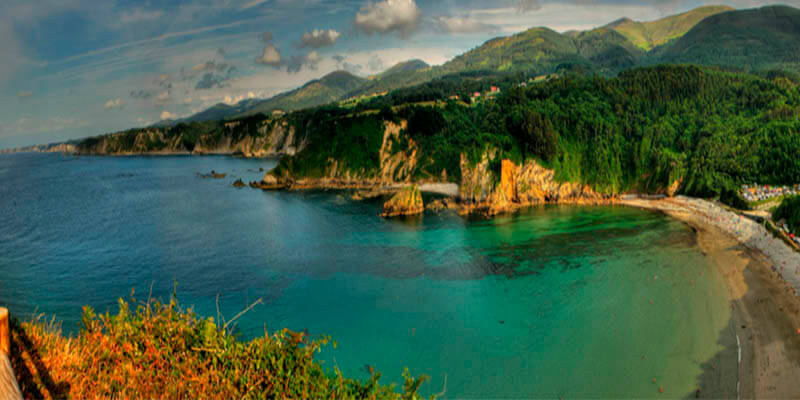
407	201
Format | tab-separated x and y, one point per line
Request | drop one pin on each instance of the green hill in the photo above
608	49
329	88
404	74
537	49
755	39
648	35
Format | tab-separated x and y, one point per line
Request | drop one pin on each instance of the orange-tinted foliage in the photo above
161	351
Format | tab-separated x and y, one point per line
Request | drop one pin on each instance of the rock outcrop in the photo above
239	183
260	139
439	205
518	186
407	201
397	164
213	174
270	182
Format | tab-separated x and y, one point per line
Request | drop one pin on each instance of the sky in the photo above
79	68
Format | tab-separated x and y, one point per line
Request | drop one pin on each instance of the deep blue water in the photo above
553	301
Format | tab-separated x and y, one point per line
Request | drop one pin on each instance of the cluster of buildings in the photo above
493	91
753	193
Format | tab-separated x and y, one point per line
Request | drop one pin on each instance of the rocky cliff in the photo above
43	148
249	139
490	186
518	186
396	167
407	201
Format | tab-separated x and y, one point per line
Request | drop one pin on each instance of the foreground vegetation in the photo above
789	210
159	350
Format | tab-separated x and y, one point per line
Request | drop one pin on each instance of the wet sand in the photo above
765	308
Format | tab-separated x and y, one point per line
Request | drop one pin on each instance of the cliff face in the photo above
484	188
43	148
397	166
407	201
518	186
397	163
269	139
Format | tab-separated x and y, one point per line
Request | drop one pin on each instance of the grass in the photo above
758	203
159	350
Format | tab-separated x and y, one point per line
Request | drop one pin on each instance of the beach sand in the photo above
761	278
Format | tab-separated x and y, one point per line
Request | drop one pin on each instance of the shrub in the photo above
158	350
790	211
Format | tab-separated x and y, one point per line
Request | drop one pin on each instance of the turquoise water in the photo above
554	301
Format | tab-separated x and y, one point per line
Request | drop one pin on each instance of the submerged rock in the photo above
407	201
212	174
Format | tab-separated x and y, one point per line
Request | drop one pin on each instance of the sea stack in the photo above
407	201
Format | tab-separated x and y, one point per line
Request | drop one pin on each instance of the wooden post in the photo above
9	389
5	333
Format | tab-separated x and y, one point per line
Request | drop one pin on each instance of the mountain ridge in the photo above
539	50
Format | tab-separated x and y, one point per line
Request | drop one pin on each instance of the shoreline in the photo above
761	275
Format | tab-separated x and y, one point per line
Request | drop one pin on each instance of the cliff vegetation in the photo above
160	351
665	129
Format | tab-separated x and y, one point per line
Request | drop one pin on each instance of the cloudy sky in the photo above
76	68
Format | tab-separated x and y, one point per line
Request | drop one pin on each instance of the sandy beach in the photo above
762	275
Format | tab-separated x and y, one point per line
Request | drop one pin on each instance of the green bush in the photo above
790	211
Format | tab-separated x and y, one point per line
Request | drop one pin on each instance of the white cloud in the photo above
168	115
114	103
401	16
462	25
271	56
231	100
320	38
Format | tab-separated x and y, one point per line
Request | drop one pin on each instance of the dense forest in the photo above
640	131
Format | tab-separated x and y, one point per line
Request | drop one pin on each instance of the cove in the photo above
553	301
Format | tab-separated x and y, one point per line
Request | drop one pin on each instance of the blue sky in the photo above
77	68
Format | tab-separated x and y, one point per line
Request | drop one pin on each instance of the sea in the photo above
550	302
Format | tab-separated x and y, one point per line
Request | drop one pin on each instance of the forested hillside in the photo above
706	129
647	35
757	39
